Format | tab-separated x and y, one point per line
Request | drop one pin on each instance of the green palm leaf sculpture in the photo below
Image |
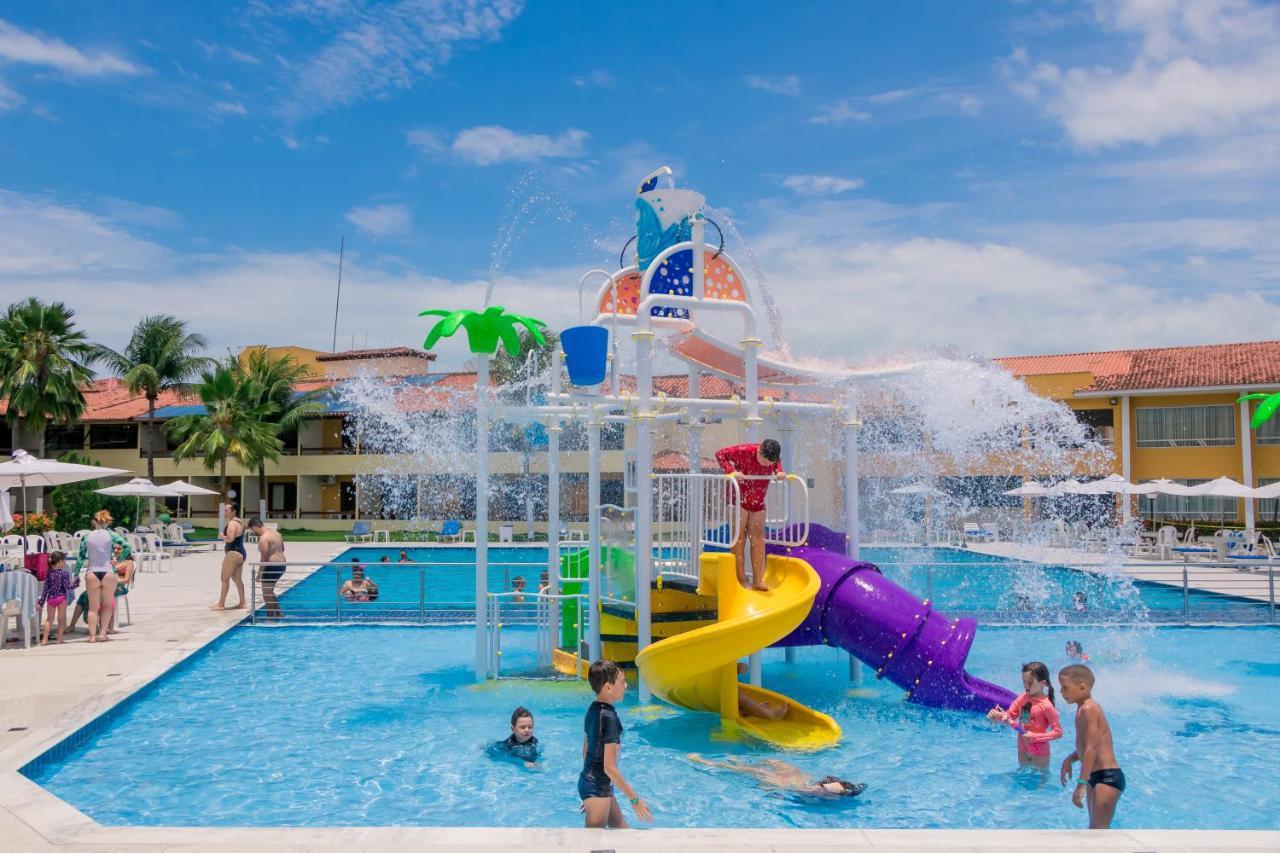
484	329
1266	411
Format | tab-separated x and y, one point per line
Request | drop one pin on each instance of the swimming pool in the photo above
959	582
381	725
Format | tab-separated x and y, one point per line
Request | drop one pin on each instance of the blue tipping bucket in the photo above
586	353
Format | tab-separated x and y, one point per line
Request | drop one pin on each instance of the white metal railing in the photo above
524	608
786	510
690	511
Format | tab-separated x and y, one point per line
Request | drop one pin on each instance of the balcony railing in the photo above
306	450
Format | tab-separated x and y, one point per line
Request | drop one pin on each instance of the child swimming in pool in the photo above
1033	716
774	773
1075	651
521	743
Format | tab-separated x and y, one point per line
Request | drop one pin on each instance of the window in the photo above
1100	424
113	436
1269	432
59	438
1187	426
1193	508
1268	510
282	497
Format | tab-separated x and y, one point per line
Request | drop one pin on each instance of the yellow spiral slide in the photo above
698	669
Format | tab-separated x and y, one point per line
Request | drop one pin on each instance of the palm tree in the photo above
484	330
235	422
1266	409
161	355
277	378
44	368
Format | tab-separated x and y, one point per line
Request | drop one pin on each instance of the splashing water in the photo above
758	279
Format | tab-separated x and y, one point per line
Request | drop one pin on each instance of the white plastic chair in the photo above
12	609
154	551
35	543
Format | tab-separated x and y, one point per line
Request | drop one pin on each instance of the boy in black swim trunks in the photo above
1101	781
600	747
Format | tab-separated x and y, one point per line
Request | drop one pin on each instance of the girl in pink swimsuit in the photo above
1033	716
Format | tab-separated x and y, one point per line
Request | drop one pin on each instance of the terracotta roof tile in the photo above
385	352
1209	366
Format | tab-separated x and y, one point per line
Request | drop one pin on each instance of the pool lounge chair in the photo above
1259	553
361	531
974	532
451	531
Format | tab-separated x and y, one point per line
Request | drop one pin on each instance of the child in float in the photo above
601	746
1075	651
58	585
1033	716
521	743
752	460
1101	781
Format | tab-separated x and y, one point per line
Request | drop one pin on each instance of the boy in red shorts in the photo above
752	460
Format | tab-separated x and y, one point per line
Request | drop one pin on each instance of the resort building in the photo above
1169	412
1173	412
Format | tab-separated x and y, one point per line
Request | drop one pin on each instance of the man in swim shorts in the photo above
1101	781
755	461
272	563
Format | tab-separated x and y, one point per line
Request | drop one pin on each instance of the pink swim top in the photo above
1037	715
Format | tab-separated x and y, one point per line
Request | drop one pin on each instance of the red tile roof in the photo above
1210	366
110	400
386	352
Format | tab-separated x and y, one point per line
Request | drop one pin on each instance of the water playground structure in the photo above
653	586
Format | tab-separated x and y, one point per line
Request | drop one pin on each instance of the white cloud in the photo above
600	79
232	108
488	145
788	85
125	212
383	220
375	50
1205	69
426	141
9	98
40	236
820	184
240	56
840	112
21	47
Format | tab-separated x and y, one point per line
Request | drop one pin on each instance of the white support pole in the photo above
594	581
553	505
1126	457
750	348
1246	444
644	493
696	501
851	426
482	512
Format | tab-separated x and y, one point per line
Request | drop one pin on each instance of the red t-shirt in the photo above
742	458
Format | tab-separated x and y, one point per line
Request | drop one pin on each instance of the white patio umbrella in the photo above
1069	486
182	487
1267	492
138	487
6	517
1029	489
1224	487
25	470
1115	484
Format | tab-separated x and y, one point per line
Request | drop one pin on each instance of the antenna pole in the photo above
342	249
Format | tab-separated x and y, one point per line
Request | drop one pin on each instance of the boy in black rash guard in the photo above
601	744
521	744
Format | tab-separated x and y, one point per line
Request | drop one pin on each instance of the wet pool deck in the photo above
1253	581
47	693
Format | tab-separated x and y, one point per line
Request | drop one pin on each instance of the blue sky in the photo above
996	178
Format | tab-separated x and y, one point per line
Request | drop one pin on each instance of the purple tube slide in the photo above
890	630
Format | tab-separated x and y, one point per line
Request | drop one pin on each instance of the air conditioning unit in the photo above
328	479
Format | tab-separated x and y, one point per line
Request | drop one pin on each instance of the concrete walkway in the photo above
47	693
1240	579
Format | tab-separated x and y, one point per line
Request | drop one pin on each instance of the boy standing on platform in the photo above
752	460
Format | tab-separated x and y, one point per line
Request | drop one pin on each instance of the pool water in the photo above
382	725
959	583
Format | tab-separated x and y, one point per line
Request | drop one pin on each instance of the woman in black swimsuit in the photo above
232	560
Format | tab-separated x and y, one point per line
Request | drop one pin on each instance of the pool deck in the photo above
47	693
1251	581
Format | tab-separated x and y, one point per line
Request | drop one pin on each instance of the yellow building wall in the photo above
302	355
